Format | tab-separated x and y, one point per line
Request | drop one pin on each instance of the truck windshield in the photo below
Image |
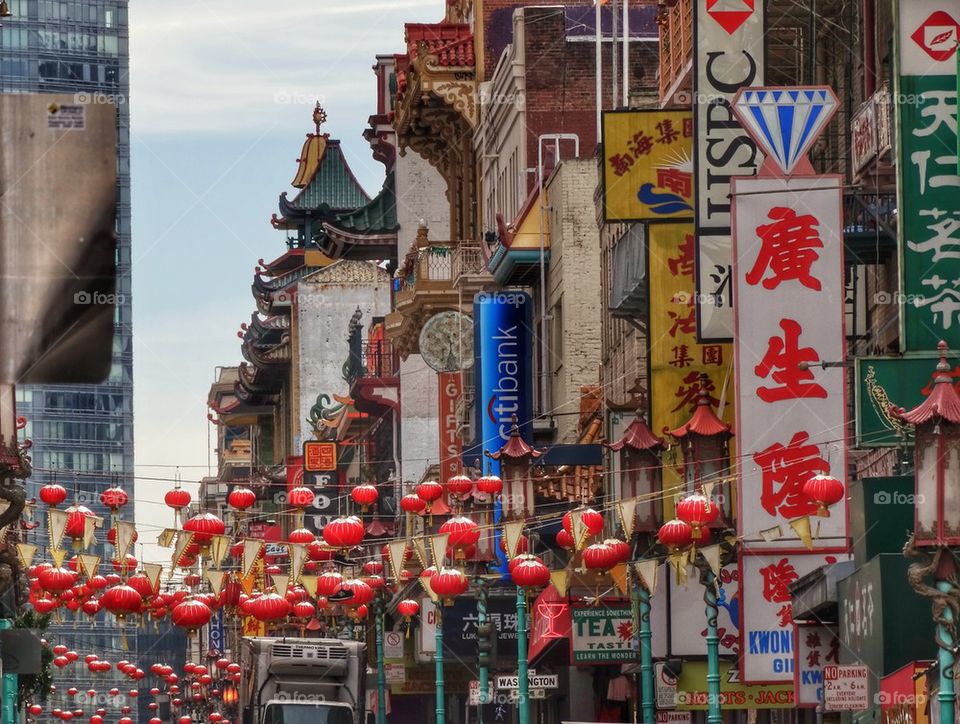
307	713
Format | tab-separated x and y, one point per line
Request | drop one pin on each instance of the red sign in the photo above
730	15
319	457
550	621
451	388
294	472
937	36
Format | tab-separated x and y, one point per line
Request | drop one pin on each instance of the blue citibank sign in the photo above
503	370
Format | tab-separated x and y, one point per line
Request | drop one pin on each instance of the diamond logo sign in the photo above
730	14
785	121
937	36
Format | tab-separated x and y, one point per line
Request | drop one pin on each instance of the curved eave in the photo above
339	244
703	422
638	436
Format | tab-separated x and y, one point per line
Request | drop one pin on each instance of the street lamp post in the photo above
709	581
522	672
381	673
640	600
438	662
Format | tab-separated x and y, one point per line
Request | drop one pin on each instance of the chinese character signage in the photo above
816	646
728	50
676	358
601	634
319	457
648	167
791	411
766	617
926	101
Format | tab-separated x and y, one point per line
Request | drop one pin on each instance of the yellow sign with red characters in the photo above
647	165
676	358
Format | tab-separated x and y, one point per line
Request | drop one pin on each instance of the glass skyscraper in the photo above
82	434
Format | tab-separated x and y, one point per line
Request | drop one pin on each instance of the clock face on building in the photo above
446	342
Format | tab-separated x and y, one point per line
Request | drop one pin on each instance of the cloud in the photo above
234	66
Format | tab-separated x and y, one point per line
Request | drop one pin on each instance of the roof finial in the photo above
319	117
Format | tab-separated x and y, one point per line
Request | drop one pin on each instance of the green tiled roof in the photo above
378	216
333	185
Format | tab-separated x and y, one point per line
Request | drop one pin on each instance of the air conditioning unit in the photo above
292	656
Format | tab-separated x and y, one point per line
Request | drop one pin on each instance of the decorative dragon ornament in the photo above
924	565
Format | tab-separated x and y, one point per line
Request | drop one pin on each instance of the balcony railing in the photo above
468	261
869	226
374	360
433	264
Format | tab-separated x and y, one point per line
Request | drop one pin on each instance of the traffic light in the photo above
486	643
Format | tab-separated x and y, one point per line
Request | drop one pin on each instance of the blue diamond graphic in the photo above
786	121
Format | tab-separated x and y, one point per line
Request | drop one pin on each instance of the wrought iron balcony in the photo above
470	273
869	226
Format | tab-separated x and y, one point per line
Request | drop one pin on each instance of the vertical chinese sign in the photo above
815	646
766	617
790	350
647	169
676	358
729	55
929	231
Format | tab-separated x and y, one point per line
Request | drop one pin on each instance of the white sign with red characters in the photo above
790	348
766	616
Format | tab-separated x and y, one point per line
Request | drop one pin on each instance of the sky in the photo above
221	94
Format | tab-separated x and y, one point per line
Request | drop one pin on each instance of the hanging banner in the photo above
728	55
693	693
766	615
450	385
648	164
676	358
216	641
791	412
815	646
929	235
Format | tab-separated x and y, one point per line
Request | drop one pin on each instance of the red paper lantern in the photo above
360	592
114	498
411	503
302	535
76	521
591	519
620	548
565	539
463	533
345	532
303	610
52	494
300	497
490	485
204	526
112	536
329	583
697	510
121	600
459	485
448	583
191	614
364	495
599	557
241	498
530	573
56	580
429	491
675	534
824	490
373	568
178	498
408	608
269	607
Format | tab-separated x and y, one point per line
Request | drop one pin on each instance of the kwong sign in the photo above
788	270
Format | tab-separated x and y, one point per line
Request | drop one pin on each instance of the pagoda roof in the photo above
255	384
704	420
330	190
369	232
943	402
638	436
515	446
